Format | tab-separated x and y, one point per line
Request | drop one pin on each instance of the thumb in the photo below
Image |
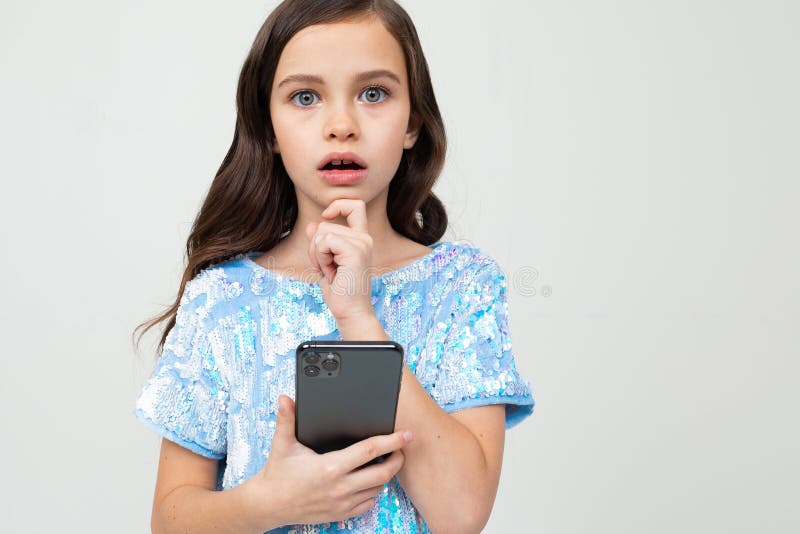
284	429
311	228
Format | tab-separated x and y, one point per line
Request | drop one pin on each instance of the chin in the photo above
352	195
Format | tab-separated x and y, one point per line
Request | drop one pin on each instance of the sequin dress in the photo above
215	387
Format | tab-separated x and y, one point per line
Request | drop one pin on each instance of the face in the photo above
340	112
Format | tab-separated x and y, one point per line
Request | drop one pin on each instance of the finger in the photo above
371	476
341	242
284	426
312	253
318	258
353	210
361	508
360	239
367	495
332	251
333	228
311	229
365	450
327	247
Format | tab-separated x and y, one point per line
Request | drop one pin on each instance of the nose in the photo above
342	122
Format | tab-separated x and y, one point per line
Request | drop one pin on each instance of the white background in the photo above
638	159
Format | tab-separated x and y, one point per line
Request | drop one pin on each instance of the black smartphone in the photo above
346	391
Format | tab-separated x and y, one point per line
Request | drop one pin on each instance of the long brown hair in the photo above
251	203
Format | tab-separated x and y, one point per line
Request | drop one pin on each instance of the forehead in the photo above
341	47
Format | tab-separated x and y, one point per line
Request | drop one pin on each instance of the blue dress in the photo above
215	387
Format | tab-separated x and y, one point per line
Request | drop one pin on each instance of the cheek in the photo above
391	131
292	136
282	126
400	126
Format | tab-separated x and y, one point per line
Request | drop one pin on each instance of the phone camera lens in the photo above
311	370
330	365
312	358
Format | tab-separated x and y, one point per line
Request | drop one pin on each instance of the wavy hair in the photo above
252	183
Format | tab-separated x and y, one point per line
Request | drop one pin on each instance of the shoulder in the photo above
216	284
463	271
470	261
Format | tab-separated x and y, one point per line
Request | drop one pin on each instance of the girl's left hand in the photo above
343	254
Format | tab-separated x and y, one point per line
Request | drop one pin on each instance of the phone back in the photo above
346	391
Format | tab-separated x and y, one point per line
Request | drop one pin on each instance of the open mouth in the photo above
342	167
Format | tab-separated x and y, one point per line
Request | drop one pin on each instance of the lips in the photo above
342	166
343	177
356	162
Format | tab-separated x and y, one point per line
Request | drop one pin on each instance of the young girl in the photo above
321	224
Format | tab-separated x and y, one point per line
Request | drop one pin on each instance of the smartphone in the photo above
346	391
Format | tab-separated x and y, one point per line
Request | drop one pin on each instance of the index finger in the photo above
352	209
365	450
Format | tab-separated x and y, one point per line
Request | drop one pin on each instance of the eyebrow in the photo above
368	75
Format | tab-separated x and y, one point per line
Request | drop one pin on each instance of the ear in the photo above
414	125
273	141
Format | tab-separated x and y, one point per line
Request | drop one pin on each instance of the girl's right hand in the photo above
299	486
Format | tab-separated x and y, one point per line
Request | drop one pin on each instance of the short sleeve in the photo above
185	399
477	366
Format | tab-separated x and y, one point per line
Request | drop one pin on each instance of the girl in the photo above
321	224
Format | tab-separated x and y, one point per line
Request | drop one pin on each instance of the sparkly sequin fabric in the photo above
215	387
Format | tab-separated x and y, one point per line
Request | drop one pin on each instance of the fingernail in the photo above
408	435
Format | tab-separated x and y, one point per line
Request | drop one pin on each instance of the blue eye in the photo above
374	89
299	93
307	96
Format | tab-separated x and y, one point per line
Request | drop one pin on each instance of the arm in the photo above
452	454
186	499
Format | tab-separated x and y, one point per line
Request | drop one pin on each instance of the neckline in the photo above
248	259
